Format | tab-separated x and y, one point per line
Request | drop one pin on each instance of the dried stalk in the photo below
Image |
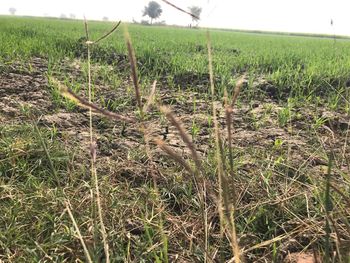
150	97
68	93
107	34
237	90
86	251
184	136
222	180
198	177
132	59
228	114
180	9
175	156
93	156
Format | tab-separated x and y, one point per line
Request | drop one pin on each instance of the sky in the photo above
303	16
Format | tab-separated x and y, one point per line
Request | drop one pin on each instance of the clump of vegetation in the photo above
196	13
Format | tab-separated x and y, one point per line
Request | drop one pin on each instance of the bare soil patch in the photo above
24	87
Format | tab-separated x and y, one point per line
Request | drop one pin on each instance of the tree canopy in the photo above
12	10
196	12
153	10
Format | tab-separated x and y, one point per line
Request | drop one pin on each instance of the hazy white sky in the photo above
311	16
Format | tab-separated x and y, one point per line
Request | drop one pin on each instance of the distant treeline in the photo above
285	33
162	23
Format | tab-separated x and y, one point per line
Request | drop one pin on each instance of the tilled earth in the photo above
20	88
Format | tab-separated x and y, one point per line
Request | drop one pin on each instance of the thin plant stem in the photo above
86	251
328	207
68	93
108	33
222	180
199	173
180	9
133	68
93	156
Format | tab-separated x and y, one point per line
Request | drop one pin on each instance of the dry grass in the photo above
224	196
198	173
133	68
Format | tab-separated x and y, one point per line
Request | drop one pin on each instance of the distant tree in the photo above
63	16
153	10
105	18
72	16
12	10
196	11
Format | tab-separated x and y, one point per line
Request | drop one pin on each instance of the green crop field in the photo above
253	166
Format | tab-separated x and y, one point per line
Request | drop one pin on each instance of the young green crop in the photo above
295	65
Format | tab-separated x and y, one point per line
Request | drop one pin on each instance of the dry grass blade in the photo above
132	59
228	114
184	136
93	148
102	225
215	121
89	76
210	68
237	90
273	240
108	33
328	207
218	148
216	128
86	251
337	240
345	146
86	29
234	240
198	177
180	9
222	180
150	97
175	156
68	93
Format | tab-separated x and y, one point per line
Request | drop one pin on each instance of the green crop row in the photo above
300	66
